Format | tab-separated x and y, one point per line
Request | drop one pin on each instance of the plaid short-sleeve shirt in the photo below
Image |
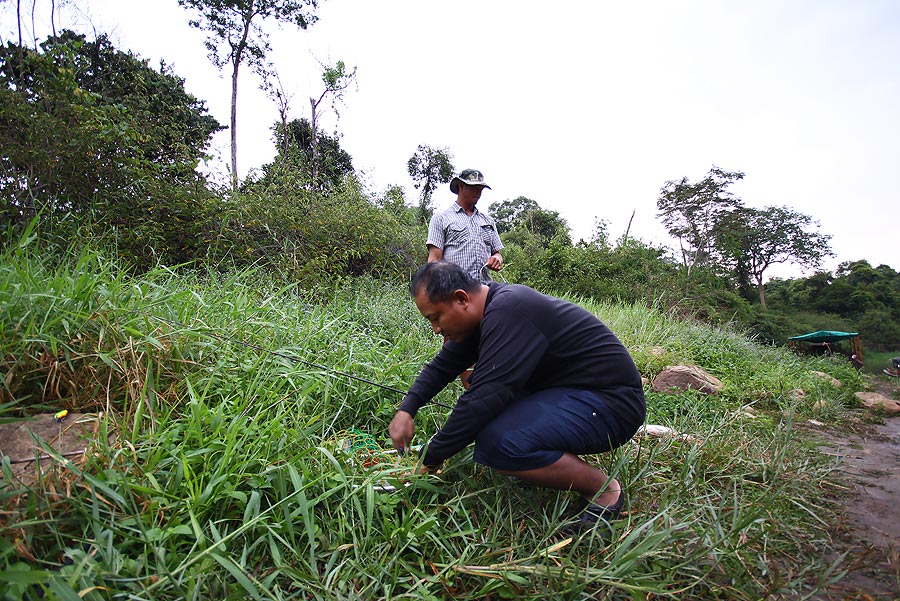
468	241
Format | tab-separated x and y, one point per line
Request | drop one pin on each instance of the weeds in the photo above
225	475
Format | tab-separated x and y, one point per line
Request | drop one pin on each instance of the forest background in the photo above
101	148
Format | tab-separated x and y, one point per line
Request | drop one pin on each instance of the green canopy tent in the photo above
825	337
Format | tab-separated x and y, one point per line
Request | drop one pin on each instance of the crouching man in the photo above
551	382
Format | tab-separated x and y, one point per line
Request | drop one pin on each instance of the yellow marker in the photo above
61	415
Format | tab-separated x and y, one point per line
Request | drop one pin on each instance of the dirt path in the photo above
871	533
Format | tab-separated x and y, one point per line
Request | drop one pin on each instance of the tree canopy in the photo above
690	212
752	240
429	167
322	170
89	130
526	215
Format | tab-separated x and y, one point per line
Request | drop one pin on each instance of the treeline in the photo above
105	149
864	297
100	148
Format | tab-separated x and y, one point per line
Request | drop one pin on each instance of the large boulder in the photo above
687	377
879	402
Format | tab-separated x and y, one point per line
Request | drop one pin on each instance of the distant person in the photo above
895	369
464	235
551	382
856	362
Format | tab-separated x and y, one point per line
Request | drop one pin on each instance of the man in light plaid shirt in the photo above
464	235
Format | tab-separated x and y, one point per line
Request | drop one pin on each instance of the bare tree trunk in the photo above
19	22
234	91
33	30
237	55
762	293
628	229
313	142
283	101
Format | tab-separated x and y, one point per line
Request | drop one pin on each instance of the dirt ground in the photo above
870	534
66	439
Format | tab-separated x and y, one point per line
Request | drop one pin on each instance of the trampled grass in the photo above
229	405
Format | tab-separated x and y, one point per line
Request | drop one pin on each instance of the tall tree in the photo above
337	80
756	239
690	212
235	36
429	167
732	246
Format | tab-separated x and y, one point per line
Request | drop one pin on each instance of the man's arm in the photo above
434	253
452	359
495	261
436	238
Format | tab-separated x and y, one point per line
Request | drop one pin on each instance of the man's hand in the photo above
494	262
401	430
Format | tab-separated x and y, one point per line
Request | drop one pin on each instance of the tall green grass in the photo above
226	473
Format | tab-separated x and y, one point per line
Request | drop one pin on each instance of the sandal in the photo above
591	513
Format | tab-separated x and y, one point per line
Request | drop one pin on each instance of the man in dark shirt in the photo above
551	382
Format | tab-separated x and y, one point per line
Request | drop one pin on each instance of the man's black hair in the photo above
441	279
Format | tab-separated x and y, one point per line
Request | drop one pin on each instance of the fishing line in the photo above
237	341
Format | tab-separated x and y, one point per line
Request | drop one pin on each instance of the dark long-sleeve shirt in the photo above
527	341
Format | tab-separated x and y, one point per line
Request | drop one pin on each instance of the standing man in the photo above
464	235
551	382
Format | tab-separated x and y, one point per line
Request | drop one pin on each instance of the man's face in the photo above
470	193
454	319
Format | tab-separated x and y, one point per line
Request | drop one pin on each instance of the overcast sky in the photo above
588	108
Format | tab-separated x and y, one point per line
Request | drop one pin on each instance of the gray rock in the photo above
687	377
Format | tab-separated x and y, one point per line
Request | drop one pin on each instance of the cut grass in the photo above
226	476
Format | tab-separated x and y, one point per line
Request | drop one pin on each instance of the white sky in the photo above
588	108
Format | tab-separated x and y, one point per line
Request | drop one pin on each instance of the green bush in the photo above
312	238
96	141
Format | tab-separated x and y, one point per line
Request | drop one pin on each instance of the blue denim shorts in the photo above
536	430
